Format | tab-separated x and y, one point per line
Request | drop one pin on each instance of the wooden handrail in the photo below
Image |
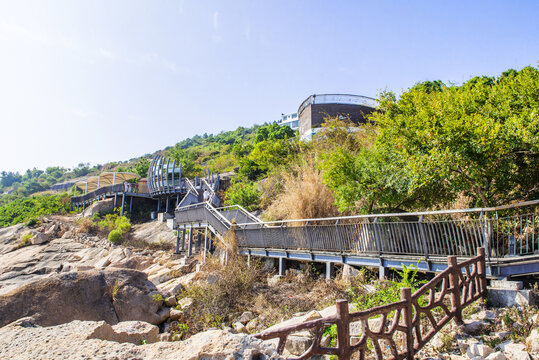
400	326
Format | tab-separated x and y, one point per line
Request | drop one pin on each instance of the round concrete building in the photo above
316	108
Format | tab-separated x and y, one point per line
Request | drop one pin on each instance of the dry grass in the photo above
86	226
304	194
242	288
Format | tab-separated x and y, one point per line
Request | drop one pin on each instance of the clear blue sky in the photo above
97	81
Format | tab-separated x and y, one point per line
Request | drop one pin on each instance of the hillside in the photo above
432	146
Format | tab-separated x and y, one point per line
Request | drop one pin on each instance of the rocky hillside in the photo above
91	298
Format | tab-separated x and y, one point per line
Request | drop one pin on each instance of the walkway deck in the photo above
509	234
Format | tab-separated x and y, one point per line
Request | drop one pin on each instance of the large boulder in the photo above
102	206
112	295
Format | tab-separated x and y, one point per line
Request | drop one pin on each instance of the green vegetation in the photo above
116	225
433	146
30	208
115	236
25	240
388	291
244	194
436	143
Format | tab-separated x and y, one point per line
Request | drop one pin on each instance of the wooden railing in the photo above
402	328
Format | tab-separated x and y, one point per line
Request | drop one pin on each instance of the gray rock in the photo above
297	345
185	303
532	341
102	206
472	327
349	272
171	301
39	238
84	295
245	317
498	355
239	327
79	340
176	314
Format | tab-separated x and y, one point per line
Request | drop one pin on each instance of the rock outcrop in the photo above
84	340
112	295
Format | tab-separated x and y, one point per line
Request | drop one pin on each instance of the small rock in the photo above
136	332
532	341
480	350
325	341
472	327
498	355
502	335
175	314
274	280
38	238
297	345
239	327
171	301
185	303
164	337
245	317
251	325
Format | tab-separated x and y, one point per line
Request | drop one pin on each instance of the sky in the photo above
98	81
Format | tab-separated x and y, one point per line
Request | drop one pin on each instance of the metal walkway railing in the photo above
507	233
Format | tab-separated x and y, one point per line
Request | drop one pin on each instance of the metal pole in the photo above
190	243
205	242
177	241
130	205
123	203
183	238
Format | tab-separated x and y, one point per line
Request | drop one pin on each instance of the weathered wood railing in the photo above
405	326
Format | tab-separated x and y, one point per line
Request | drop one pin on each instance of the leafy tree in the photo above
273	132
245	194
9	178
142	166
480	139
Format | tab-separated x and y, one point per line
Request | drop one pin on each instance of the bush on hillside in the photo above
26	209
244	194
115	236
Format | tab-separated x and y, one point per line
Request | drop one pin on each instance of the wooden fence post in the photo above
406	295
455	294
343	330
481	271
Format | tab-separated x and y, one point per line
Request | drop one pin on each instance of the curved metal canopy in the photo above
104	179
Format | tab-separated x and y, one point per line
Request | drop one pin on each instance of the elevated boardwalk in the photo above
508	233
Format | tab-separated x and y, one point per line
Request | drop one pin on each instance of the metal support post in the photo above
130	205
183	238
167	205
158	204
115	200
282	266
330	270
190	243
177	241
123	203
205	242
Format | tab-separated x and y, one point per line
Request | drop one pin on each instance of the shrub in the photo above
244	194
388	291
25	240
26	209
32	222
115	236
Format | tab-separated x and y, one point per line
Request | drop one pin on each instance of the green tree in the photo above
142	166
480	139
